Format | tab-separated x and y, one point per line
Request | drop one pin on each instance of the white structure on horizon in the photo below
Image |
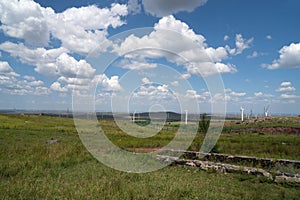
251	114
266	111
242	113
133	116
186	116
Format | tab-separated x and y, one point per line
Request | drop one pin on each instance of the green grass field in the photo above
30	169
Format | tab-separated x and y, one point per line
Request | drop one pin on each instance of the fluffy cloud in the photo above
289	57
57	63
241	44
146	81
29	78
111	84
79	33
69	67
100	81
53	62
253	55
238	94
162	39
285	84
189	49
5	68
108	84
56	86
209	68
34	24
134	7
175	83
286	87
27	20
206	97
43	60
74	81
185	76
194	95
288	92
24	20
153	93
256	54
259	97
263	95
17	85
289	96
226	38
136	64
230	95
217	97
167	7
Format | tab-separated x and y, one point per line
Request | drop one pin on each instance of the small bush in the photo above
216	149
203	123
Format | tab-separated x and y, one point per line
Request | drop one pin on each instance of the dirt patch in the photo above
144	149
269	130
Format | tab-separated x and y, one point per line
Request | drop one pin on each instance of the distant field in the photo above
277	145
30	169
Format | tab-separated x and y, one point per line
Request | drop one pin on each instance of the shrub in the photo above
203	123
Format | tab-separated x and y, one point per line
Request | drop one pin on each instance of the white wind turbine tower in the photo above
266	111
186	116
242	113
249	116
133	116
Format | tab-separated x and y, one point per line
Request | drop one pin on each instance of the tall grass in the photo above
30	169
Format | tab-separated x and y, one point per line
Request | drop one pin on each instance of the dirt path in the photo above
144	150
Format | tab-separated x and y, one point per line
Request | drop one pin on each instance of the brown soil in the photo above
144	149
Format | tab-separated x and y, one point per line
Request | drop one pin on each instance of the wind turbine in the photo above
250	114
266	111
242	113
133	117
186	116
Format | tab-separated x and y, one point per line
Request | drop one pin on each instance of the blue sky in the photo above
50	50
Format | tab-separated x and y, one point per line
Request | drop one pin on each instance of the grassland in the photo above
30	169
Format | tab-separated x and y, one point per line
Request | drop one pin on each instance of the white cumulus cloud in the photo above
226	38
69	67
259	94
44	60
18	85
134	7
162	8
108	84
286	84
286	87
269	37
289	96
145	80
29	21
241	44
79	33
24	20
189	49
136	64
288	58
56	86
52	62
5	68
